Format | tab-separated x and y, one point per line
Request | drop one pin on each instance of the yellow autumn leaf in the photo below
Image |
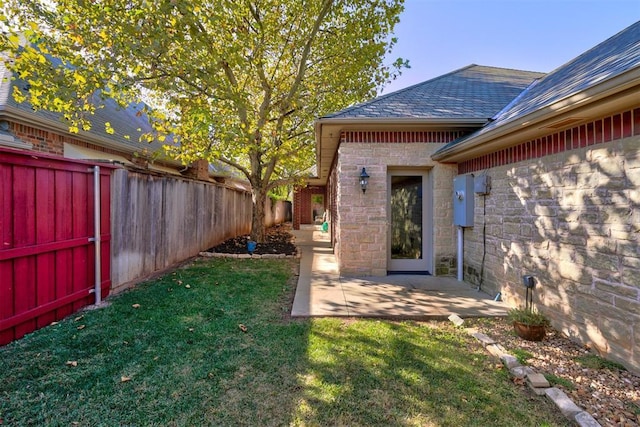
78	78
14	40
108	128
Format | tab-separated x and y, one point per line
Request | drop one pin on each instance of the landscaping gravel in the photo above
604	389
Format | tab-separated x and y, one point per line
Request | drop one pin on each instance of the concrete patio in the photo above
321	291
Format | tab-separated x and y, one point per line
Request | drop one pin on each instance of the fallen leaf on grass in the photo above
124	379
187	286
80	327
242	328
191	329
79	318
71	363
53	323
136	306
518	381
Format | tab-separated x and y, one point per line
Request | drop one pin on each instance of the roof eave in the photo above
353	123
611	95
13	113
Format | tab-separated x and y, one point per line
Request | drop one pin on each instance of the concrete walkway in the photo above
322	292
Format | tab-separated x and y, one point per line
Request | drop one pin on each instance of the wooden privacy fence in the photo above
47	236
147	223
159	221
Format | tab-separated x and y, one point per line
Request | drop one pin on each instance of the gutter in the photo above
575	103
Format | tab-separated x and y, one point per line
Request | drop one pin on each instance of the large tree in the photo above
238	81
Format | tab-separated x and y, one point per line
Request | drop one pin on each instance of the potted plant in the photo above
528	323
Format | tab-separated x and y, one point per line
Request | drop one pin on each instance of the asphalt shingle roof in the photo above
125	121
611	58
472	92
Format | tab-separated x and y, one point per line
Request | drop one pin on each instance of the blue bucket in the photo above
251	246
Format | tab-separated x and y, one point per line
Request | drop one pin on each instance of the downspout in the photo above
97	290
460	252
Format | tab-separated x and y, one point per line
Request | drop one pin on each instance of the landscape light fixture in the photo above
364	180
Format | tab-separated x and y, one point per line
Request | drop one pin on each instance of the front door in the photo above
409	248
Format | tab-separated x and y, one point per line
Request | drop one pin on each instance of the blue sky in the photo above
439	36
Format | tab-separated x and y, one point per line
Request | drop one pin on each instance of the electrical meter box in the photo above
463	200
482	185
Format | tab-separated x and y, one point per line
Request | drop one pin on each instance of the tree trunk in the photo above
259	198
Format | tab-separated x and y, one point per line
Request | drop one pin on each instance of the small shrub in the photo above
522	355
594	361
527	316
556	380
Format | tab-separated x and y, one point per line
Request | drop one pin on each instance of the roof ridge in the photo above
387	95
399	92
511	69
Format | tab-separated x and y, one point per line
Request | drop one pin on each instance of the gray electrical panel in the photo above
482	185
463	200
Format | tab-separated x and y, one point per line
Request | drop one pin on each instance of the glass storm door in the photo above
408	222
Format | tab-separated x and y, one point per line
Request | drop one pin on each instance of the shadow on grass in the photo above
173	352
371	372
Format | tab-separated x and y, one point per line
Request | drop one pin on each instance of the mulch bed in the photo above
278	241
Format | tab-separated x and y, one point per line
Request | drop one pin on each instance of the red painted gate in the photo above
47	239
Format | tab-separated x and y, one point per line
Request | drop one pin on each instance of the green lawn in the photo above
173	352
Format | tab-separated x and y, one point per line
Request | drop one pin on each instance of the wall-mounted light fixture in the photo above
364	180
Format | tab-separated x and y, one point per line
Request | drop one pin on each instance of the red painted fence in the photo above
47	249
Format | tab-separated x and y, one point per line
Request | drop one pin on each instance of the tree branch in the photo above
233	164
242	109
326	7
281	181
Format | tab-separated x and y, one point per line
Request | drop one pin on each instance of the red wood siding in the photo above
47	268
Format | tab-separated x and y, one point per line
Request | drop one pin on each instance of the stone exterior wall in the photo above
361	219
568	212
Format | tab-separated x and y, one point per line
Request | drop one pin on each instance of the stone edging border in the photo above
536	381
247	256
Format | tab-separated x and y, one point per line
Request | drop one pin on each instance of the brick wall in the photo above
42	140
302	211
332	199
361	231
52	142
566	208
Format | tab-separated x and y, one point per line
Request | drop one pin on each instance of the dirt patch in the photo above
279	240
